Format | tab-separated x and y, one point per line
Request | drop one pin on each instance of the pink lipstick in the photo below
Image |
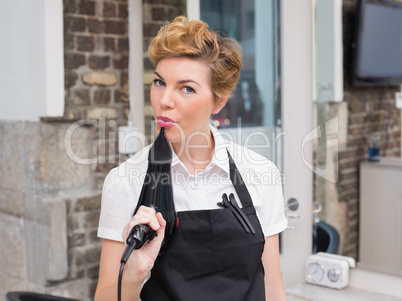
164	121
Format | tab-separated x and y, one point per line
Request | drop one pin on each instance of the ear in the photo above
220	103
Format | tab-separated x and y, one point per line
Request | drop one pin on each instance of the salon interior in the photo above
320	94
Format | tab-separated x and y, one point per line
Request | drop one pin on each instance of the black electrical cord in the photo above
137	237
119	282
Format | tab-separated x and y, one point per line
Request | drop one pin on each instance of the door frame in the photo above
297	113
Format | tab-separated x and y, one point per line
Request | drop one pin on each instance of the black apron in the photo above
211	256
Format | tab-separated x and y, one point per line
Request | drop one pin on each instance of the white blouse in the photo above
204	190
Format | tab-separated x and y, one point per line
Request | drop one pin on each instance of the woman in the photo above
211	256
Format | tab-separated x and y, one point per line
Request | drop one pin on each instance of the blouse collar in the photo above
220	157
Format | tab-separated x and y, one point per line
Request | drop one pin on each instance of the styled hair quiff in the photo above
194	39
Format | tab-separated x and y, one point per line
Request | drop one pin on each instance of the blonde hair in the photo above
194	39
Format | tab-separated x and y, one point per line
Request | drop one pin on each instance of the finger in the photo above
144	213
147	219
162	223
147	209
160	219
144	216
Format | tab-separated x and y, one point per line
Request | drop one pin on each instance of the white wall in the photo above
31	59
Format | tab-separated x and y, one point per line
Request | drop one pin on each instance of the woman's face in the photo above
182	98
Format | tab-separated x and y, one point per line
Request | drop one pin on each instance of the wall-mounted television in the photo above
377	54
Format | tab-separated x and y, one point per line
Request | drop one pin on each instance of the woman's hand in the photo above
139	264
142	260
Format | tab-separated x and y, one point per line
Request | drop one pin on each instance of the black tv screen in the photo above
377	58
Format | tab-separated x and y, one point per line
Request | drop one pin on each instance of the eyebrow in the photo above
184	81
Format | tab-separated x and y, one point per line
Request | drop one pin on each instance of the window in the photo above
255	103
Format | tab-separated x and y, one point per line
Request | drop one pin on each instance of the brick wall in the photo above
369	110
96	72
84	245
96	88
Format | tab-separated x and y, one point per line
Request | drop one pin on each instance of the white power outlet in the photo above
398	98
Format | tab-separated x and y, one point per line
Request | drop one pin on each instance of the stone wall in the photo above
83	244
368	110
46	201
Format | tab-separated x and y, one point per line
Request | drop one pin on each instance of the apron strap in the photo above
239	184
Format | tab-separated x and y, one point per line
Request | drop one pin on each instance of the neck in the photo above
196	151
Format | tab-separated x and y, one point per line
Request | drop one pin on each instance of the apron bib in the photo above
211	256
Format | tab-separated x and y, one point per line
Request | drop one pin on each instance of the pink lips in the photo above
164	121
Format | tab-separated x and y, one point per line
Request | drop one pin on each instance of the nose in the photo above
166	100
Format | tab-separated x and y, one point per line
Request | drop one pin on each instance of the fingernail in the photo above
155	208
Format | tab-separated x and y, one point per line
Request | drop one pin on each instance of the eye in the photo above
188	90
159	83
